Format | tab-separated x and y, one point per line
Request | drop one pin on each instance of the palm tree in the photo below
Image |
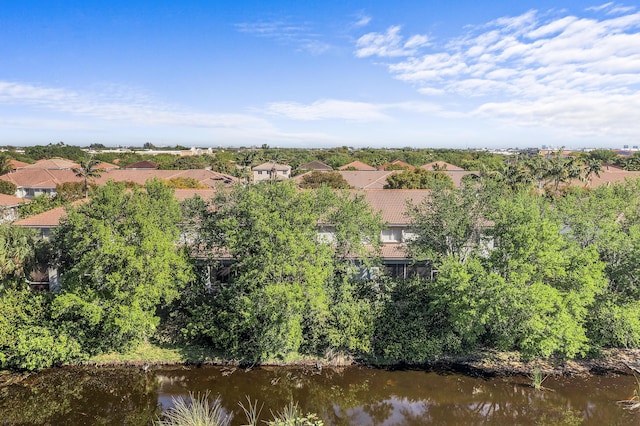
5	164
591	167
86	171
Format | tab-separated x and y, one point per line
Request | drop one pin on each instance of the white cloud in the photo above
333	109
328	109
299	35
389	44
542	68
120	106
611	8
362	20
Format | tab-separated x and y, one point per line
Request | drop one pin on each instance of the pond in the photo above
342	396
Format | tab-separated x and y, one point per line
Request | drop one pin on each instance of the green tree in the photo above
316	179
559	279
5	164
7	188
29	340
17	255
281	290
86	171
418	179
119	262
448	223
40	204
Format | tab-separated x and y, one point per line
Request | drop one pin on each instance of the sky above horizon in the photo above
457	74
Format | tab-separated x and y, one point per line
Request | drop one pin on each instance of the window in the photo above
326	235
392	235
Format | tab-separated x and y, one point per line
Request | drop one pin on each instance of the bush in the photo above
7	188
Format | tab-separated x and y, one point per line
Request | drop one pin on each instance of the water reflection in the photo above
351	396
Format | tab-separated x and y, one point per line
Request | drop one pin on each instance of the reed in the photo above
537	378
195	411
633	403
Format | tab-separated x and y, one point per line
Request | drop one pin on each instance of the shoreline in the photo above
487	363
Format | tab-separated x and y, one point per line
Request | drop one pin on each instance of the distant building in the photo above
271	170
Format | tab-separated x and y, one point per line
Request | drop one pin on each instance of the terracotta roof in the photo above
48	219
142	165
608	177
105	166
315	165
393	251
10	200
270	165
369	179
392	203
15	164
397	163
52	164
358	165
441	165
42	178
457	175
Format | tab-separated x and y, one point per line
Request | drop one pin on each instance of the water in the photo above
347	396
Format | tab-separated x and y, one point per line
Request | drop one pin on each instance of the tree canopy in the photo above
119	260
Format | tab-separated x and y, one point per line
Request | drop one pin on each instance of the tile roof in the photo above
358	165
43	178
608	177
392	203
51	218
145	164
15	164
10	200
105	166
270	165
40	178
366	179
52	164
397	163
393	251
48	219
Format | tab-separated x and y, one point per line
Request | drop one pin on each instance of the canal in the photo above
342	396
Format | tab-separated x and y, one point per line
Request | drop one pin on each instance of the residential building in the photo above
271	170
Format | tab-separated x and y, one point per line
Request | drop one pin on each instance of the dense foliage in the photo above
418	179
316	179
119	261
275	272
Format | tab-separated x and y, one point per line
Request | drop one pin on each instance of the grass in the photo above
537	378
198	411
153	353
146	352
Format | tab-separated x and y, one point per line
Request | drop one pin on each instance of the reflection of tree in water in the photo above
82	396
339	396
379	412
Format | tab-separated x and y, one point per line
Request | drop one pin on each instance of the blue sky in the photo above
321	73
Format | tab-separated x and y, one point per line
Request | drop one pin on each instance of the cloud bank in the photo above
578	73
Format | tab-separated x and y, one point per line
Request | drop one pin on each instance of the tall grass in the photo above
633	403
196	411
537	378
